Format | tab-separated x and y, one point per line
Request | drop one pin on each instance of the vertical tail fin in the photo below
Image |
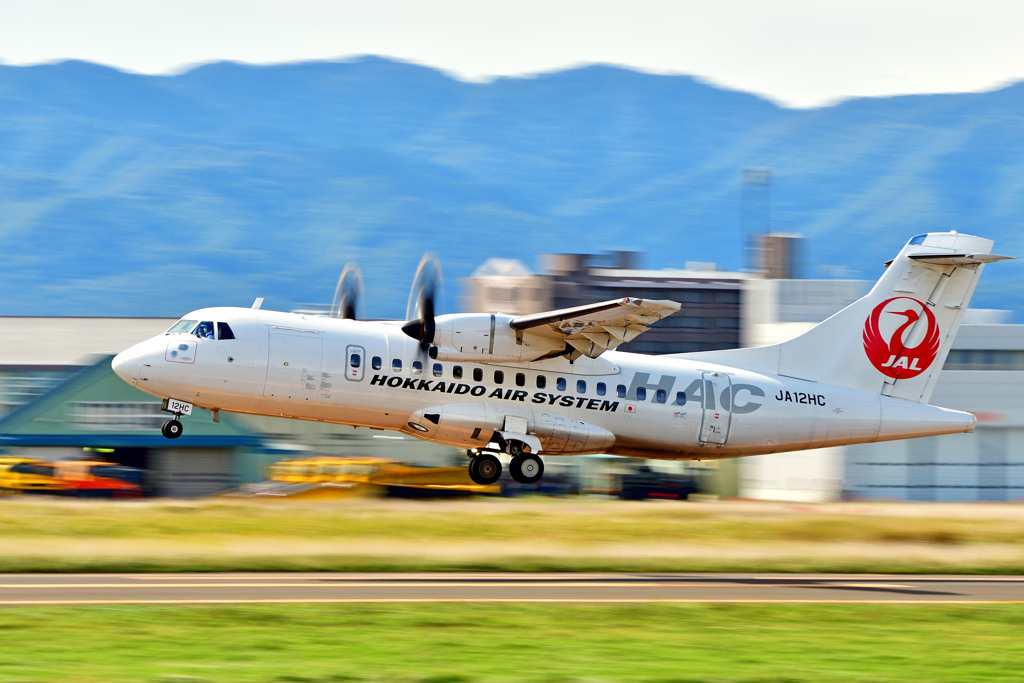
895	339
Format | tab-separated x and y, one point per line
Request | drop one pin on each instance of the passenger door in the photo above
294	364
715	418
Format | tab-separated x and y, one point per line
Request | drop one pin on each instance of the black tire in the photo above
485	469
172	429
526	469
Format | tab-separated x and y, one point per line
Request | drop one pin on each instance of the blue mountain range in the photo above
125	194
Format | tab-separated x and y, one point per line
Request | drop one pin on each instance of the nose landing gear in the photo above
172	429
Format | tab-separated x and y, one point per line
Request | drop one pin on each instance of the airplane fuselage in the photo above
371	374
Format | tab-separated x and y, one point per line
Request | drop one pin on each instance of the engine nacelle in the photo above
469	337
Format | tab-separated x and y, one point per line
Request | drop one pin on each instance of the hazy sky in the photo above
798	52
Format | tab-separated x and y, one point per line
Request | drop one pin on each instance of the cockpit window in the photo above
204	330
182	327
224	331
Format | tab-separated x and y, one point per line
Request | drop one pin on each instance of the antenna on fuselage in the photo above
258	303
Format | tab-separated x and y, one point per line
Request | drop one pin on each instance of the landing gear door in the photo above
716	416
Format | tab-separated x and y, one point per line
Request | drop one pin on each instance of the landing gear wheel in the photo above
485	469
171	429
526	469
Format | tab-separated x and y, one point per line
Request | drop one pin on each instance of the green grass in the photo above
516	642
517	535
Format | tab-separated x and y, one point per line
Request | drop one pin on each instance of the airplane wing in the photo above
595	328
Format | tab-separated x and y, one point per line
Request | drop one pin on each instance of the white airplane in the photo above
551	383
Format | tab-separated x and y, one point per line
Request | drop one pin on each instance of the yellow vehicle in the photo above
328	470
391	477
29	475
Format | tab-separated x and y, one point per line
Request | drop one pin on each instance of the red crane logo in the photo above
894	358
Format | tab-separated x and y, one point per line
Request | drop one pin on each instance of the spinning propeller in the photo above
420	312
348	293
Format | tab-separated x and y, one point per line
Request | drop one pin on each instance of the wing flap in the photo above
595	328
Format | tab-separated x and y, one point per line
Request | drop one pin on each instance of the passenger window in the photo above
478	375
520	379
376	362
660	396
355	360
581	386
417	367
499	376
641	394
224	331
396	364
437	369
457	372
204	330
620	391
601	389
542	381
680	398
560	384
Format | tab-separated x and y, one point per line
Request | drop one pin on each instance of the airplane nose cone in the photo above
127	365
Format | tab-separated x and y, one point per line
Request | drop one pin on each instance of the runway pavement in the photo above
97	589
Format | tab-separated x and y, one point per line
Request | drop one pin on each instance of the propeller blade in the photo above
348	293
421	310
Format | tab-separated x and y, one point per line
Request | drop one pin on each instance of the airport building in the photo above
982	375
711	299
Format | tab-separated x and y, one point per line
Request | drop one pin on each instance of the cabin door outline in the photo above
716	417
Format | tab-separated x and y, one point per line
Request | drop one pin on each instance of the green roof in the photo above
54	419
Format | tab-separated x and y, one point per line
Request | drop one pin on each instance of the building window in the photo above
116	416
730	297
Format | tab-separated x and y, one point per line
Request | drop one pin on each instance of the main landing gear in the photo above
526	467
